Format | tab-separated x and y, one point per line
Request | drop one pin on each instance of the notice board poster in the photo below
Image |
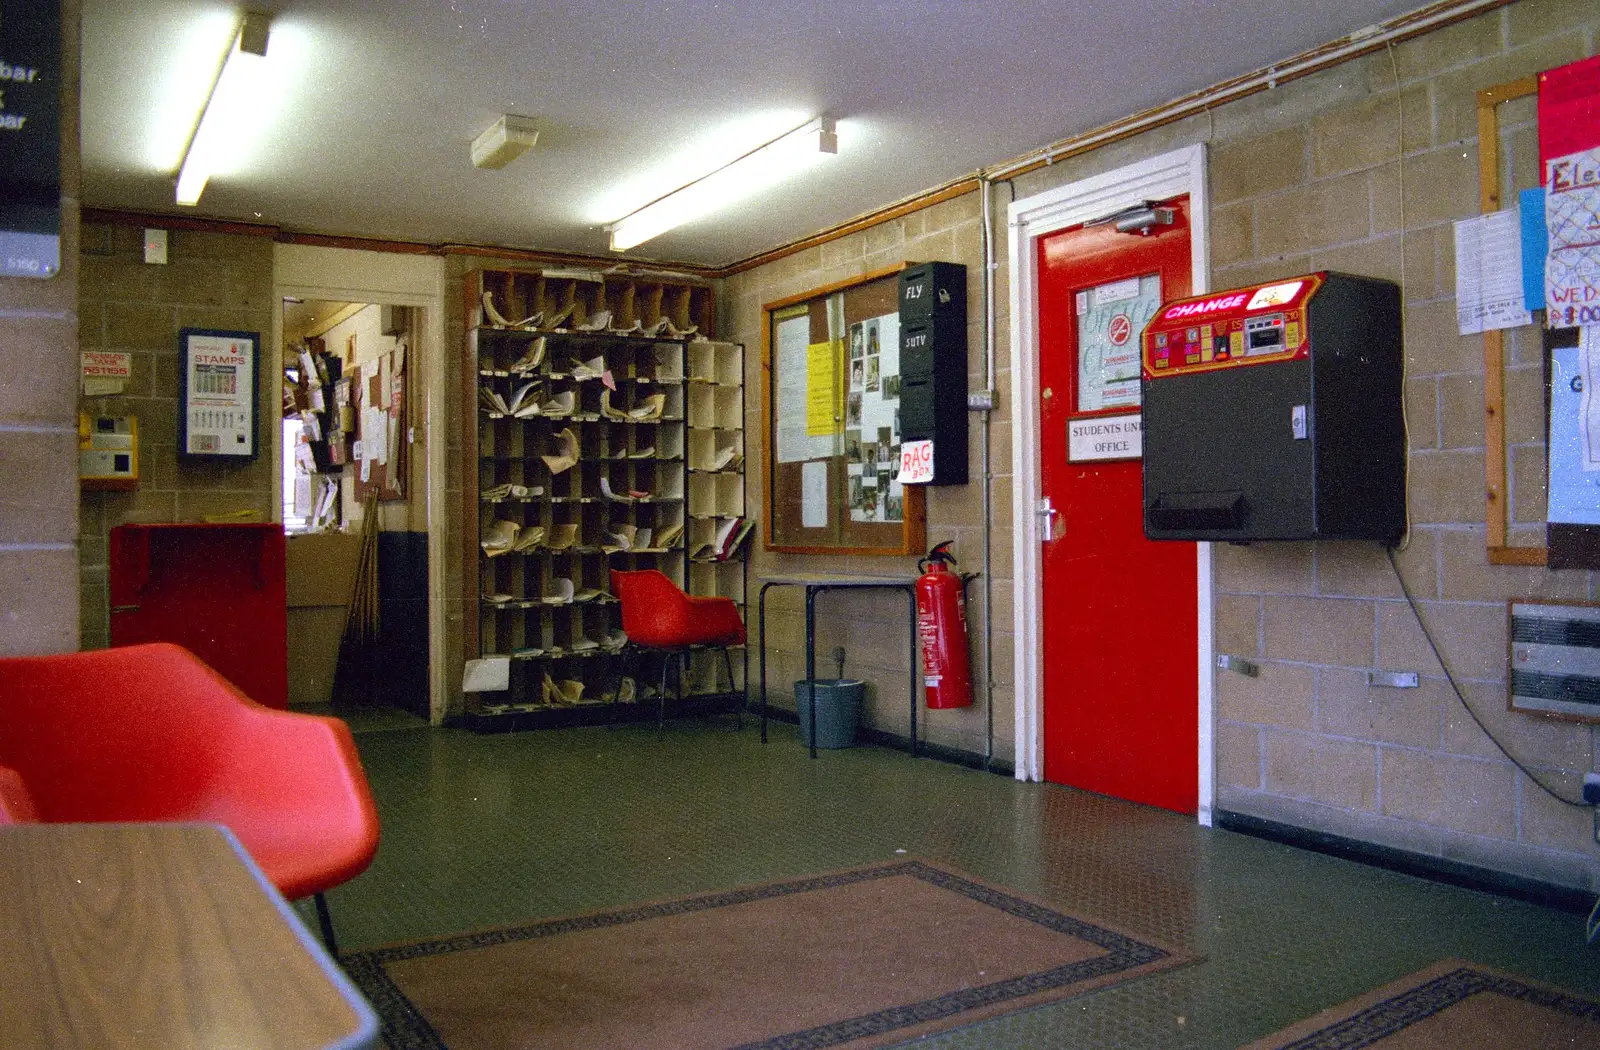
217	396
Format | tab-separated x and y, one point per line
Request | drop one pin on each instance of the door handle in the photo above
1047	518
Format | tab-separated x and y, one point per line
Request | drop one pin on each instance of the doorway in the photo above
1119	610
1032	220
411	287
354	505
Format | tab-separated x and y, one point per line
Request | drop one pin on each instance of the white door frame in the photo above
357	276
1168	175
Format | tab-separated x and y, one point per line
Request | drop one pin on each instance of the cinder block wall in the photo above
873	626
211	280
1309	176
1309	742
38	419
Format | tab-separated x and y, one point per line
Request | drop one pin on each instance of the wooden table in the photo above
162	936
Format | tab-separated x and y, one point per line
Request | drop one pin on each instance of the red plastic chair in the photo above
150	733
657	615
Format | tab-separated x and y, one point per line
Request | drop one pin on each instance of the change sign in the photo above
30	138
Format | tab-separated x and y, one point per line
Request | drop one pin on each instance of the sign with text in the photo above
916	463
30	138
1091	438
105	372
219	377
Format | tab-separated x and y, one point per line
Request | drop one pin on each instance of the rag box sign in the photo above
1091	438
916	463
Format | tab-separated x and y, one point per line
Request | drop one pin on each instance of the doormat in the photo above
860	958
1451	1005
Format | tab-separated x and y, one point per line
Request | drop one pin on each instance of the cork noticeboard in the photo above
830	421
378	396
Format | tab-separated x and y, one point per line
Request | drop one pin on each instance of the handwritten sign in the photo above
1091	438
916	463
1572	217
30	138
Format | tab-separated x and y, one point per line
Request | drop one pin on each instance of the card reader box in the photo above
108	452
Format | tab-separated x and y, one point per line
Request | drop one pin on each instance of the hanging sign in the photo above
30	138
916	463
1091	438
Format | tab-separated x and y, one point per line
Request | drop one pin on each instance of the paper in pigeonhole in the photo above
489	674
1489	273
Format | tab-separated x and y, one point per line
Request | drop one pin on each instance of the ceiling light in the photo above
761	167
225	119
507	139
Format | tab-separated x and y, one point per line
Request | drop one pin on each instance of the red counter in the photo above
217	590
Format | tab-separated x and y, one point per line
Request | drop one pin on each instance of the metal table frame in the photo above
814	584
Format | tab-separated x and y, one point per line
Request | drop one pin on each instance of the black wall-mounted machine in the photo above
933	364
1275	412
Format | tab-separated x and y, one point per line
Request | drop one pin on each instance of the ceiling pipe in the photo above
1362	41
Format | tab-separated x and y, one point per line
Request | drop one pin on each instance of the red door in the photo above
1121	678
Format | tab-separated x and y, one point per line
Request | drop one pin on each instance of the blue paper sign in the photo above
1535	246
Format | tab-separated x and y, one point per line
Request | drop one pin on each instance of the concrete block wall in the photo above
873	626
1369	179
211	280
1360	168
38	419
1363	168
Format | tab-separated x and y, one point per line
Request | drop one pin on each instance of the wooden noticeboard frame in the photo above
870	295
1497	508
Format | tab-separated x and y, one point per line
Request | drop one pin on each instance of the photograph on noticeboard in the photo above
872	419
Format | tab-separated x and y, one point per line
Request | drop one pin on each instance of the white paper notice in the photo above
1572	217
814	494
1091	438
1489	273
1589	416
794	444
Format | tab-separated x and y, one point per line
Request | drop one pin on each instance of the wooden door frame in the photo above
418	281
1167	175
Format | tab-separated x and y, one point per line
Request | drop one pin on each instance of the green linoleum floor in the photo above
493	830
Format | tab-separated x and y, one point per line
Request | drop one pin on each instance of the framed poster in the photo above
218	382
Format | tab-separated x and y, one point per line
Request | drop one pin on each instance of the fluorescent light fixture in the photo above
762	167
507	139
223	123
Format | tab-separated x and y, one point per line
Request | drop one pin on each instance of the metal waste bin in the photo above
838	711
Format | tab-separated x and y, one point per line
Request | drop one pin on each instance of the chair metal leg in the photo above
738	711
326	922
661	694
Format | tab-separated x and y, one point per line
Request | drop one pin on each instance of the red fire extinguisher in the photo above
942	630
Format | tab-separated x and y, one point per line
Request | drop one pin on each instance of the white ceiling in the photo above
380	101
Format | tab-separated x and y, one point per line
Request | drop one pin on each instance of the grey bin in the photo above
838	711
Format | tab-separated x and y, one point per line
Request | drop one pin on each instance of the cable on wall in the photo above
1405	367
1456	688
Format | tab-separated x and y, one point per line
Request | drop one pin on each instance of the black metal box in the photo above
933	289
933	365
1276	413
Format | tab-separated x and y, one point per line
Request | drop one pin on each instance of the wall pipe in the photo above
986	203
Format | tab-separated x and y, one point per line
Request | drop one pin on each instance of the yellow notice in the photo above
824	363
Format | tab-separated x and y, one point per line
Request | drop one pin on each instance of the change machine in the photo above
1275	413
